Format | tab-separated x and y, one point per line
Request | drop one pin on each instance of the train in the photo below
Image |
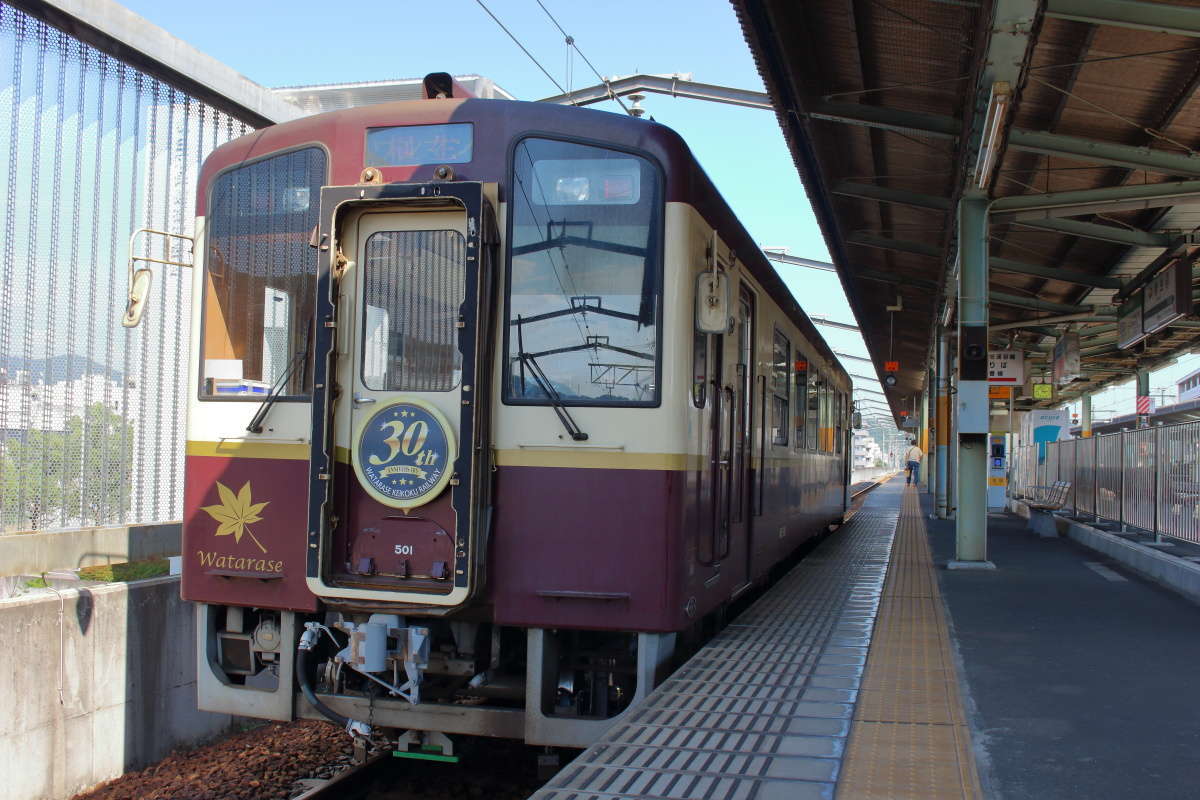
493	407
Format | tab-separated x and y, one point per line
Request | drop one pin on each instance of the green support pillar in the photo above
972	399
941	426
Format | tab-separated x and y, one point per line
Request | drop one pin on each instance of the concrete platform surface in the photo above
1079	673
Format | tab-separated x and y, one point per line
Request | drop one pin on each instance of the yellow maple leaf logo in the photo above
235	513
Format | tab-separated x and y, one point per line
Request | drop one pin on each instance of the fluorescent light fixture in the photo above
993	126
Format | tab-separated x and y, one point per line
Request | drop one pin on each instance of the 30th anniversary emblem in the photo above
405	454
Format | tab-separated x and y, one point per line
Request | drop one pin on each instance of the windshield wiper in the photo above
255	425
564	416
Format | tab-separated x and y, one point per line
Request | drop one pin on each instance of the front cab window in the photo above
260	277
584	276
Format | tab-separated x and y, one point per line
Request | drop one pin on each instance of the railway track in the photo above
489	768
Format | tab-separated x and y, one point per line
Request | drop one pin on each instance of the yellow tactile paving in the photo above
909	738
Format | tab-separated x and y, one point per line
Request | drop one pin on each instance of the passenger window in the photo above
838	428
813	411
781	358
699	368
801	368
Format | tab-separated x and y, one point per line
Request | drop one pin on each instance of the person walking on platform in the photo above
913	456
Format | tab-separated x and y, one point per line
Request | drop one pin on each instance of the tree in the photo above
77	476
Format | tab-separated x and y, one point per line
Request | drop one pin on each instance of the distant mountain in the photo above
58	368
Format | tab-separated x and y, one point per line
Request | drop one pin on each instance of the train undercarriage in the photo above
433	675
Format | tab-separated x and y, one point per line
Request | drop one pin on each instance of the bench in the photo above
1043	504
1049	498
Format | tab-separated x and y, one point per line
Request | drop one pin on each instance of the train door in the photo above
408	410
742	412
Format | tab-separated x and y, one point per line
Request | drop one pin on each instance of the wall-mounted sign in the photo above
1006	367
1066	358
1167	297
1129	322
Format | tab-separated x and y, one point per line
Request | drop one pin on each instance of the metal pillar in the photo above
972	397
942	426
1143	390
1085	416
923	440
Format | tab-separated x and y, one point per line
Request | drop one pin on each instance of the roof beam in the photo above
1050	144
1156	17
899	245
1087	316
999	264
889	119
868	191
840	354
1104	233
1090	201
1035	304
1054	273
1092	151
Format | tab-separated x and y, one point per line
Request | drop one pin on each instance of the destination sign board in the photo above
1006	367
1167	297
1066	358
1129	322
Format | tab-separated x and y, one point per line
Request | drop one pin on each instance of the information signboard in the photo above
1129	322
1043	391
1006	367
1167	297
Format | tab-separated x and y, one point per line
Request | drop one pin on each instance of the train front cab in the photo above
450	497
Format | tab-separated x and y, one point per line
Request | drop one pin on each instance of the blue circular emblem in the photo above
404	454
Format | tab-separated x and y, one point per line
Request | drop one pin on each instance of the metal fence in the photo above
1148	479
91	149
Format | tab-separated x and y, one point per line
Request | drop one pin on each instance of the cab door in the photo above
408	414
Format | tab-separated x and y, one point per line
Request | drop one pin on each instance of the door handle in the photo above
360	400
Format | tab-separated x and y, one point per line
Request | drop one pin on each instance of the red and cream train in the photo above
490	402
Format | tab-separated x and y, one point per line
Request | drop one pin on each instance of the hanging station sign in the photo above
1167	297
1006	367
1066	359
1129	322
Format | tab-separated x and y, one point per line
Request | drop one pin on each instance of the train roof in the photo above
342	134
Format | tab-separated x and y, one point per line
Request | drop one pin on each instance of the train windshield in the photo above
260	277
584	276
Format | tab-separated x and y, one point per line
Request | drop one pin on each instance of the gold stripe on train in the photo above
596	459
242	448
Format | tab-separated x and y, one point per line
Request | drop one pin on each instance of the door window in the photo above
414	284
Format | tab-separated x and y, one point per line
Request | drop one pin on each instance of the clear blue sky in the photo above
306	42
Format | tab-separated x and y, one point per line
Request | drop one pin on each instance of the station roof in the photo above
884	105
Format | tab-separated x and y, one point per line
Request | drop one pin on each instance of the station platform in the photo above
871	672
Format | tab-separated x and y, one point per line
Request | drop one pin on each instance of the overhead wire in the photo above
570	40
523	48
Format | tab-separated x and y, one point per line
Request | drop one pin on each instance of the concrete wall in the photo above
35	553
128	686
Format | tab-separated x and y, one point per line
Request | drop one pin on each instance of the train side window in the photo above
699	368
801	367
839	428
823	416
812	411
781	357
